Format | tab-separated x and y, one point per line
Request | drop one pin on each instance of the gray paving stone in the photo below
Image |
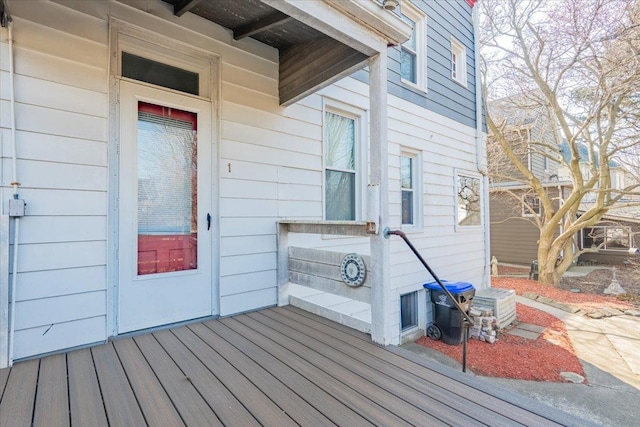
531	328
524	334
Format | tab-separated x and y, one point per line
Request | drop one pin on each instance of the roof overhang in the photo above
319	42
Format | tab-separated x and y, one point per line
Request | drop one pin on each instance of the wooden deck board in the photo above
393	380
154	402
193	409
52	397
377	405
262	408
119	400
16	407
85	398
491	403
312	393
228	409
292	404
275	367
354	398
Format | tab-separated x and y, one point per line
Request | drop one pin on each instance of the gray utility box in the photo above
501	301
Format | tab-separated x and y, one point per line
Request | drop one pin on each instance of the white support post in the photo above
380	265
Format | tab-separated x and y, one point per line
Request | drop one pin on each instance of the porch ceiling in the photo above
309	59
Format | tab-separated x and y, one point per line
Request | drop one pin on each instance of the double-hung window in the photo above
411	190
413	51
531	205
342	142
458	62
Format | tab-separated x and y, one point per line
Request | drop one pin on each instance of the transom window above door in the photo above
157	73
150	59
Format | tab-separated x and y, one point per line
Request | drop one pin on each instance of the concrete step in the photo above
348	312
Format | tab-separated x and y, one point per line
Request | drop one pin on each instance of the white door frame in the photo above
137	40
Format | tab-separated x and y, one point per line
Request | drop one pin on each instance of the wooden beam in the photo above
308	67
260	25
184	6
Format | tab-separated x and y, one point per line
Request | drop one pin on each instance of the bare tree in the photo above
580	61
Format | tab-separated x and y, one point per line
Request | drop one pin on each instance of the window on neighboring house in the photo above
469	200
413	51
409	311
341	166
531	205
410	173
458	62
608	238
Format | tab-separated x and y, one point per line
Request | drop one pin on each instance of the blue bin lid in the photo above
453	287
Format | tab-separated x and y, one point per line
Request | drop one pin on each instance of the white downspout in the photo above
481	151
14	184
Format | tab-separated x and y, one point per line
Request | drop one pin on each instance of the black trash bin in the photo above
447	318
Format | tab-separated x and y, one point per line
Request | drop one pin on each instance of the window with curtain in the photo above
340	167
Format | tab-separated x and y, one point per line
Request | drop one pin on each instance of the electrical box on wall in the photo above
17	207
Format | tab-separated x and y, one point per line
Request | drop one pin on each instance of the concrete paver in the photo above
524	334
611	344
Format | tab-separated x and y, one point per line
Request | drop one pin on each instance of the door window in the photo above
167	189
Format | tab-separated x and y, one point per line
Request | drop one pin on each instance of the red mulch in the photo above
519	358
585	301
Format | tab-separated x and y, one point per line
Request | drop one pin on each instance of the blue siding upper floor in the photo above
445	19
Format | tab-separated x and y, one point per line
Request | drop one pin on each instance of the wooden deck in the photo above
276	367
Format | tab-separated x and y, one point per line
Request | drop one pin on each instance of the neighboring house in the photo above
514	207
188	159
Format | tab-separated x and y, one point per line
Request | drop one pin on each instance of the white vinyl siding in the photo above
269	166
61	135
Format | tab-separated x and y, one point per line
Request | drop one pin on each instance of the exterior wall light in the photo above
390	4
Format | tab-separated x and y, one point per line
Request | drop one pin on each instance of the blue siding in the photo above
445	19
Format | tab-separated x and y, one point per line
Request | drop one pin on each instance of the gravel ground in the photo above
514	357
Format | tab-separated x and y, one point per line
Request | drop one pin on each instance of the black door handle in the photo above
208	221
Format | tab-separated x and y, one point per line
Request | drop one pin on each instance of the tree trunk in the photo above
547	257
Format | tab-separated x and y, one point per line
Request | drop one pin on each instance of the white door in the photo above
165	217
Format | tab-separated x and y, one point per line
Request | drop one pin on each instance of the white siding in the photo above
61	120
269	162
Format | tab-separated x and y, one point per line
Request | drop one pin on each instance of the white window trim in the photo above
460	51
419	17
416	309
630	236
526	212
138	42
361	150
418	192
458	227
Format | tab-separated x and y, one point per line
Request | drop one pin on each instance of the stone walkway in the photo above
611	344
